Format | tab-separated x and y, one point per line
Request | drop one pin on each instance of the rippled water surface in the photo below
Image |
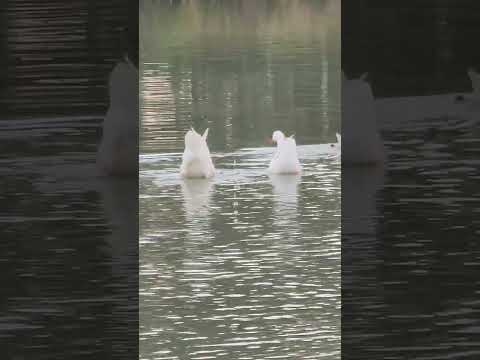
69	237
409	237
410	249
69	244
246	265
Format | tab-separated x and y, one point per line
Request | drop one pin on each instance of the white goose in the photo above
359	124
285	160
196	159
337	147
475	79
118	150
338	144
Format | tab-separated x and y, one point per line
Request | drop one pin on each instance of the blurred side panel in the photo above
69	233
410	220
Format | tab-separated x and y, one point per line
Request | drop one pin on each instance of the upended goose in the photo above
363	145
196	159
285	160
118	151
475	79
338	144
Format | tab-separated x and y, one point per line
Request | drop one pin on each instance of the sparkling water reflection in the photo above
241	70
244	265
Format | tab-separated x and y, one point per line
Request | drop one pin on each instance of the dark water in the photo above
410	254
69	238
69	245
409	279
57	55
411	48
244	266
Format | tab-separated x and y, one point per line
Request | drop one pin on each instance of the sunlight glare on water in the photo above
245	265
242	264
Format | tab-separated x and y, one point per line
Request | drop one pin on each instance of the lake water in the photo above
243	266
409	237
69	250
410	250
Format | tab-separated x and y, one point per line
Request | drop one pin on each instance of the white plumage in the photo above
475	79
196	159
118	150
359	124
285	160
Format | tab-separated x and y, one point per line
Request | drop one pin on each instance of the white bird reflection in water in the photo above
121	208
361	250
241	247
285	190
118	204
360	185
196	270
196	196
